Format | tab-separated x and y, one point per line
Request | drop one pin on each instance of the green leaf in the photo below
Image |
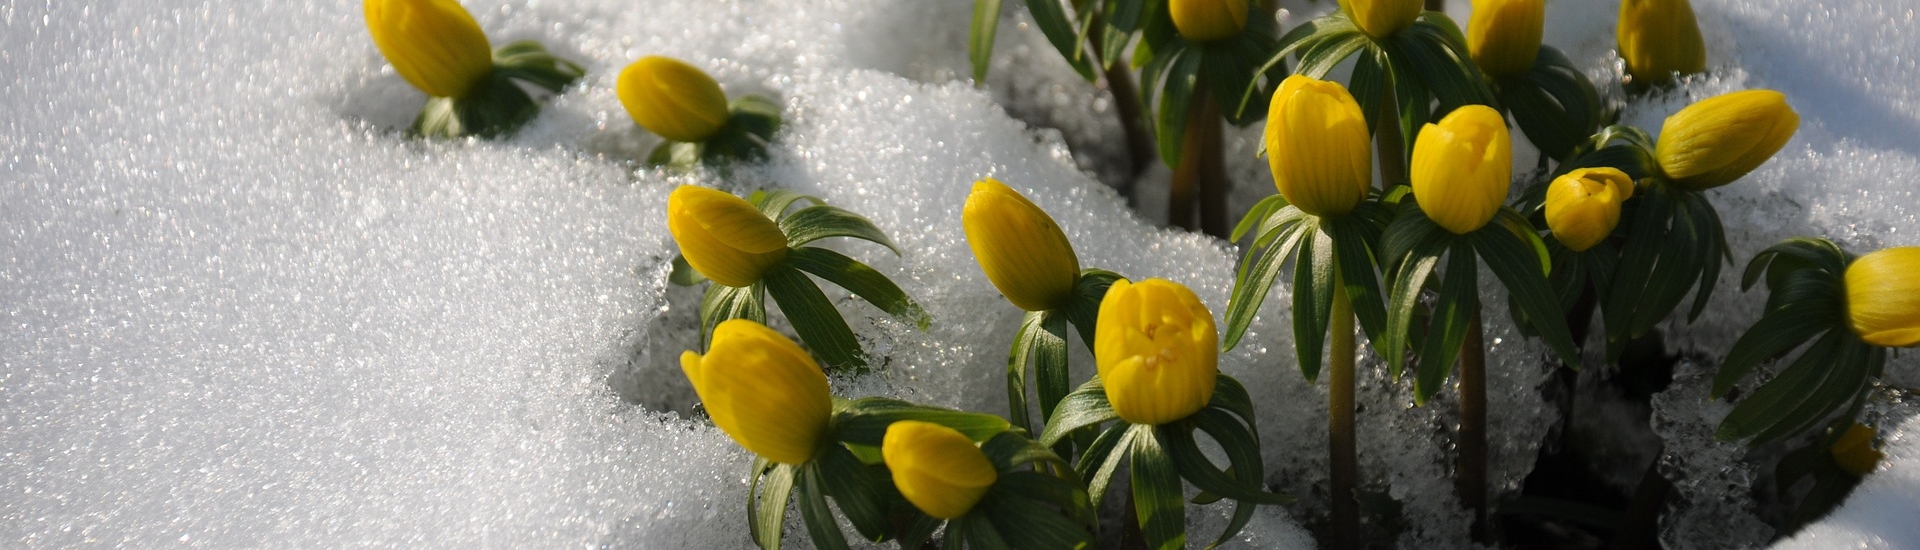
865	420
1256	278
1017	361
1177	440
859	490
814	318
724	302
767	510
683	273
1175	98
1323	55
821	221
1369	85
1452	317
529	61
1310	319
1356	241
773	203
861	280
1032	523
1647	229
1084	311
1776	332
1098	461
1053	21
1257	214
1122	18
986	22
821	527
1050	355
1157	495
1517	265
1769	403
1554	103
1086	406
1714	245
1846	379
1230	396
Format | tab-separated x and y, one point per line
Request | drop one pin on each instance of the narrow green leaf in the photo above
1517	265
1157	495
1369	84
1767	404
1123	18
861	280
1309	319
1232	397
1177	440
1100	459
822	221
1050	360
1647	225
1084	311
1846	379
814	318
1714	243
1320	58
683	273
821	527
1174	100
1405	296
986	22
767	509
1356	245
1059	29
725	302
1086	406
1017	361
1258	214
773	203
1452	318
859	490
1256	280
1775	333
865	420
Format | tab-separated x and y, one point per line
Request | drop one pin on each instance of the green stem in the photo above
1472	469
1341	454
1202	172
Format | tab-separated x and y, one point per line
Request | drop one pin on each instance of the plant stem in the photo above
1388	142
1472	469
1341	456
1202	171
1126	101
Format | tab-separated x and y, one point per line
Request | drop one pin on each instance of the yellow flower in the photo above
1020	247
1382	18
434	44
1854	450
1318	146
1157	351
1583	206
1208	20
672	99
762	390
1462	168
937	468
1504	35
1716	140
1659	38
1883	297
722	236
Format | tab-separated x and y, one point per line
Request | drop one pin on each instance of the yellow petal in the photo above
1583	206
1208	20
672	99
1382	18
1021	249
1883	297
1318	146
762	390
1462	168
1156	348
434	44
722	236
1504	35
1854	450
1719	139
1660	39
937	468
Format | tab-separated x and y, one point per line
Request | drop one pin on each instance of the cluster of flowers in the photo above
1629	223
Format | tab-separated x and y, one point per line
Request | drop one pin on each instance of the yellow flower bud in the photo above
1208	20
1883	297
1462	168
434	44
1382	18
1854	450
723	236
1716	140
1157	351
1583	206
1020	247
1659	38
672	99
1504	35
762	390
937	468
1318	146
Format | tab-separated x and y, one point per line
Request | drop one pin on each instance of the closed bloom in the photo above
1157	351
1716	140
1504	35
1020	247
434	44
1583	206
722	236
1854	450
1659	38
1462	168
1883	297
1382	18
1207	20
1318	146
762	390
672	99
937	468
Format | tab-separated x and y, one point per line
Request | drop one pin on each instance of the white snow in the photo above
241	310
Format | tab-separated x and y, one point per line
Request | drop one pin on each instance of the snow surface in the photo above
242	311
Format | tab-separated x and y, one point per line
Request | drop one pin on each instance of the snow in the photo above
241	310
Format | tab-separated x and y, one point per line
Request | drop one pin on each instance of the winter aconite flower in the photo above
1504	35
1854	450
1020	247
1318	146
1157	351
1208	20
762	390
1716	140
1659	39
1382	18
672	99
1462	168
1883	297
936	467
434	44
1583	206
722	236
